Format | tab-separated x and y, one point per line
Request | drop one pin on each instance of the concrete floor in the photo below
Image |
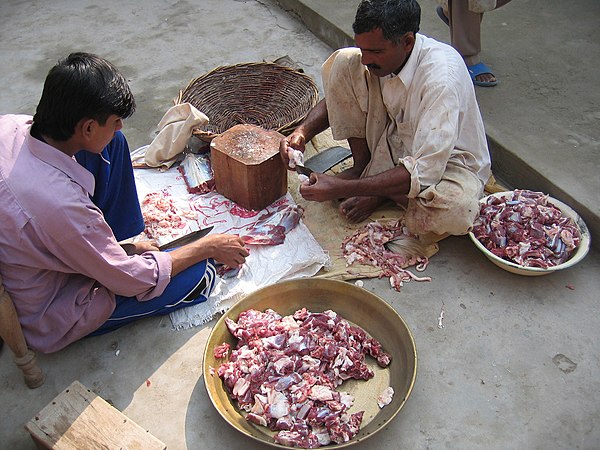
516	365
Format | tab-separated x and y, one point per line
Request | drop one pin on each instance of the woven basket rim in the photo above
269	71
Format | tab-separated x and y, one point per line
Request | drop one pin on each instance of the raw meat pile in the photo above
368	246
525	228
285	370
271	227
162	216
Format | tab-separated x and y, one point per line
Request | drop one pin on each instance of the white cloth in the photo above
299	256
175	130
424	118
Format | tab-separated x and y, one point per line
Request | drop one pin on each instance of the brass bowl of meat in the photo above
529	233
326	302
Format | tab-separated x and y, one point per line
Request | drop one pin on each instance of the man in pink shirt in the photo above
68	198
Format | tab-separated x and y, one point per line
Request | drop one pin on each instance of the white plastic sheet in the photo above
299	256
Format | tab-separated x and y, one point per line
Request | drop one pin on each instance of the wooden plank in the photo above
77	418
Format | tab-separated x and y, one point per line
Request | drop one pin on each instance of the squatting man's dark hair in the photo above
394	17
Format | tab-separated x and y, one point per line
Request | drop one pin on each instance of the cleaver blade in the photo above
186	239
328	158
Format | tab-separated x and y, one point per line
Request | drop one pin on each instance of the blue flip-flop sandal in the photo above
479	69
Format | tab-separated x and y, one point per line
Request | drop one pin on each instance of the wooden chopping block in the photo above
247	167
77	418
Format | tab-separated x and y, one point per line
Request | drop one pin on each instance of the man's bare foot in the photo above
482	75
486	78
357	209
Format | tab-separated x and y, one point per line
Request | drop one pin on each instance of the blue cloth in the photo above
116	196
115	193
190	287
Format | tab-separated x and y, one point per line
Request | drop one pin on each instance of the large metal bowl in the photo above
356	305
509	266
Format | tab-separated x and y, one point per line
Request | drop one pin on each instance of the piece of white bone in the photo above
385	398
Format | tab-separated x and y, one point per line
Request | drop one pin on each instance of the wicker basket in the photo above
268	95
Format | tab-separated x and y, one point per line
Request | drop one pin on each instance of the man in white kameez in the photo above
407	106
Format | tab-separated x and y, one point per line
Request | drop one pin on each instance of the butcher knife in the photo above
191	237
303	170
328	158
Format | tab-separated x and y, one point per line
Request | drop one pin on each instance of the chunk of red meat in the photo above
221	351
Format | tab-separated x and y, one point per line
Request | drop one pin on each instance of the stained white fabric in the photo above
424	118
175	130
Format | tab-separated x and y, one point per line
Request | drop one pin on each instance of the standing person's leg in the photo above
115	192
465	36
465	31
192	286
